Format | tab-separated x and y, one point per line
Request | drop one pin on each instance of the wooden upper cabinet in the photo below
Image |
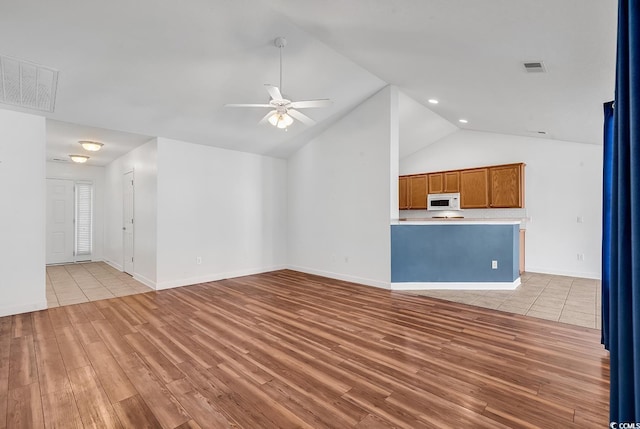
499	186
417	190
445	182
474	189
436	183
451	181
507	186
403	200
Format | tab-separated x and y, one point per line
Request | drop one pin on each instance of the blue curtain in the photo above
607	192
624	263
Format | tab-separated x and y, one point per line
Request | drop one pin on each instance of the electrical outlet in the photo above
199	260
494	265
580	219
580	256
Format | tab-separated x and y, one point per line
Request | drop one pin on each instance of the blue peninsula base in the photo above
455	255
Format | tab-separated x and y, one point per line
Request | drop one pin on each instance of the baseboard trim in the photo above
457	285
25	308
113	264
145	281
581	274
339	276
215	277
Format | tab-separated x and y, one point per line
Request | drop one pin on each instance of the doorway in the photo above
60	221
127	223
69	227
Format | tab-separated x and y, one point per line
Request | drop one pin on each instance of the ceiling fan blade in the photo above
248	105
273	91
301	117
266	117
325	102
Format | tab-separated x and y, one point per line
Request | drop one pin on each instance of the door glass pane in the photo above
84	219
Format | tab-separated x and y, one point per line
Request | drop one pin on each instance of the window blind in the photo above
84	219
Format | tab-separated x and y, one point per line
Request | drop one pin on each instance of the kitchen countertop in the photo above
455	221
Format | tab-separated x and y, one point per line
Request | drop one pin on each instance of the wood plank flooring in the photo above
290	350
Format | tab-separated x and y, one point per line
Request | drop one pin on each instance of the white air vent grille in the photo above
534	67
27	84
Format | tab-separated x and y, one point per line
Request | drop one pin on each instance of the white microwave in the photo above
443	201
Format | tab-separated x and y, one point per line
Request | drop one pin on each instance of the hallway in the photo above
92	281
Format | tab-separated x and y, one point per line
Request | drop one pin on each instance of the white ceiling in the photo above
63	140
419	126
469	54
167	68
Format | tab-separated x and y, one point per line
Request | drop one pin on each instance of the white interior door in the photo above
127	223
60	232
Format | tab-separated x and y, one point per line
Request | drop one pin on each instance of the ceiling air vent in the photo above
534	67
27	85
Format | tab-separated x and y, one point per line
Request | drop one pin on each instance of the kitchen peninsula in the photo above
455	254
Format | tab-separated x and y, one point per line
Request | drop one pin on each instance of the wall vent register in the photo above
27	85
534	67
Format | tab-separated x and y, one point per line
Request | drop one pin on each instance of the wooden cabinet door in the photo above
447	182
474	188
452	181
403	201
418	192
507	186
436	183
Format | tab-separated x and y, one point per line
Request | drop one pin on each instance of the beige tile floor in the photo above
572	300
90	281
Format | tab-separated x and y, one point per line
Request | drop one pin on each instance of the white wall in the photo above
60	170
226	207
563	182
143	162
395	126
22	216
339	196
419	125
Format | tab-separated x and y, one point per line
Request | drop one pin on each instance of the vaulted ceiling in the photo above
162	68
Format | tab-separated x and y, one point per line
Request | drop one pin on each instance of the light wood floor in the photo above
288	350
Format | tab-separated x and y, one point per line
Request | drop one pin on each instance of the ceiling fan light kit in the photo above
280	120
284	111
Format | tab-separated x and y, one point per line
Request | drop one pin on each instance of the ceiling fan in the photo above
284	111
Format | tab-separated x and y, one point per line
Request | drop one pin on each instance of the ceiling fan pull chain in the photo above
280	47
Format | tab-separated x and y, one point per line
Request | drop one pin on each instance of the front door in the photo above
60	221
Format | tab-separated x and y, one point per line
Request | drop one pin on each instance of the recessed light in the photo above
433	101
462	121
